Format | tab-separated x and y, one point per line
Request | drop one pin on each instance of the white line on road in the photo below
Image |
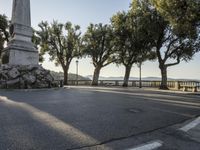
149	146
191	125
150	98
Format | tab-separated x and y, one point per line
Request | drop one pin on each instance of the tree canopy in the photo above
183	15
62	42
133	42
168	30
176	39
98	44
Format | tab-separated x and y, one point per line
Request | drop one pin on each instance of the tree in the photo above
183	15
172	43
132	37
98	44
4	34
62	42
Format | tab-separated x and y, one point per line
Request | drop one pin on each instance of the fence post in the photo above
61	83
116	83
177	85
133	84
101	83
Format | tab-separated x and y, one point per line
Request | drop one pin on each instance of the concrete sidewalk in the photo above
173	91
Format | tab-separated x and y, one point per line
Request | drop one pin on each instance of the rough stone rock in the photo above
13	73
6	67
30	76
3	75
23	68
32	67
11	82
49	77
38	72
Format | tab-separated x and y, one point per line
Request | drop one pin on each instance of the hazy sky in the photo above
83	12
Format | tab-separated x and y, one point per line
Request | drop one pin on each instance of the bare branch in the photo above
173	64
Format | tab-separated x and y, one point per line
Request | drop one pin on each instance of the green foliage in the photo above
133	35
183	15
4	34
60	41
36	41
171	46
1	44
175	32
98	44
60	76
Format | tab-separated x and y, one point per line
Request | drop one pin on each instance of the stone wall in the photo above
25	77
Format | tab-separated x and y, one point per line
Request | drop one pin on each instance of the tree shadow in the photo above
67	119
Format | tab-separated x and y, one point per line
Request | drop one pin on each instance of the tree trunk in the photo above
65	69
127	75
96	76
164	86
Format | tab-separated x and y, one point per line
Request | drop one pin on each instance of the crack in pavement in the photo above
130	136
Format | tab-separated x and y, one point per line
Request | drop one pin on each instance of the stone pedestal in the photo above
20	49
20	53
20	59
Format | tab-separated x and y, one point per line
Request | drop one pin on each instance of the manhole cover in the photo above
133	110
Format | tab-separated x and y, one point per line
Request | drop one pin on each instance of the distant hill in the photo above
136	78
122	78
71	76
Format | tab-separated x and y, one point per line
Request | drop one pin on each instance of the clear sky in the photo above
83	12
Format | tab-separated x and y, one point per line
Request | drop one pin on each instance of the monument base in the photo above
25	77
20	53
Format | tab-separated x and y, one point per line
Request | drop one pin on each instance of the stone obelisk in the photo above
20	60
20	49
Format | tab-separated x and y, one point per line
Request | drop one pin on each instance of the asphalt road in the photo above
95	118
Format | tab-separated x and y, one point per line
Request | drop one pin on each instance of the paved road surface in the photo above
96	118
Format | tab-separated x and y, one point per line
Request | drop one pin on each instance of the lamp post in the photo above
77	72
140	74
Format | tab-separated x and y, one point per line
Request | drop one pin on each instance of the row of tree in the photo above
166	30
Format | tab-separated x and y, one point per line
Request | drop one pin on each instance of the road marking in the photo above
172	112
149	98
149	146
191	125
